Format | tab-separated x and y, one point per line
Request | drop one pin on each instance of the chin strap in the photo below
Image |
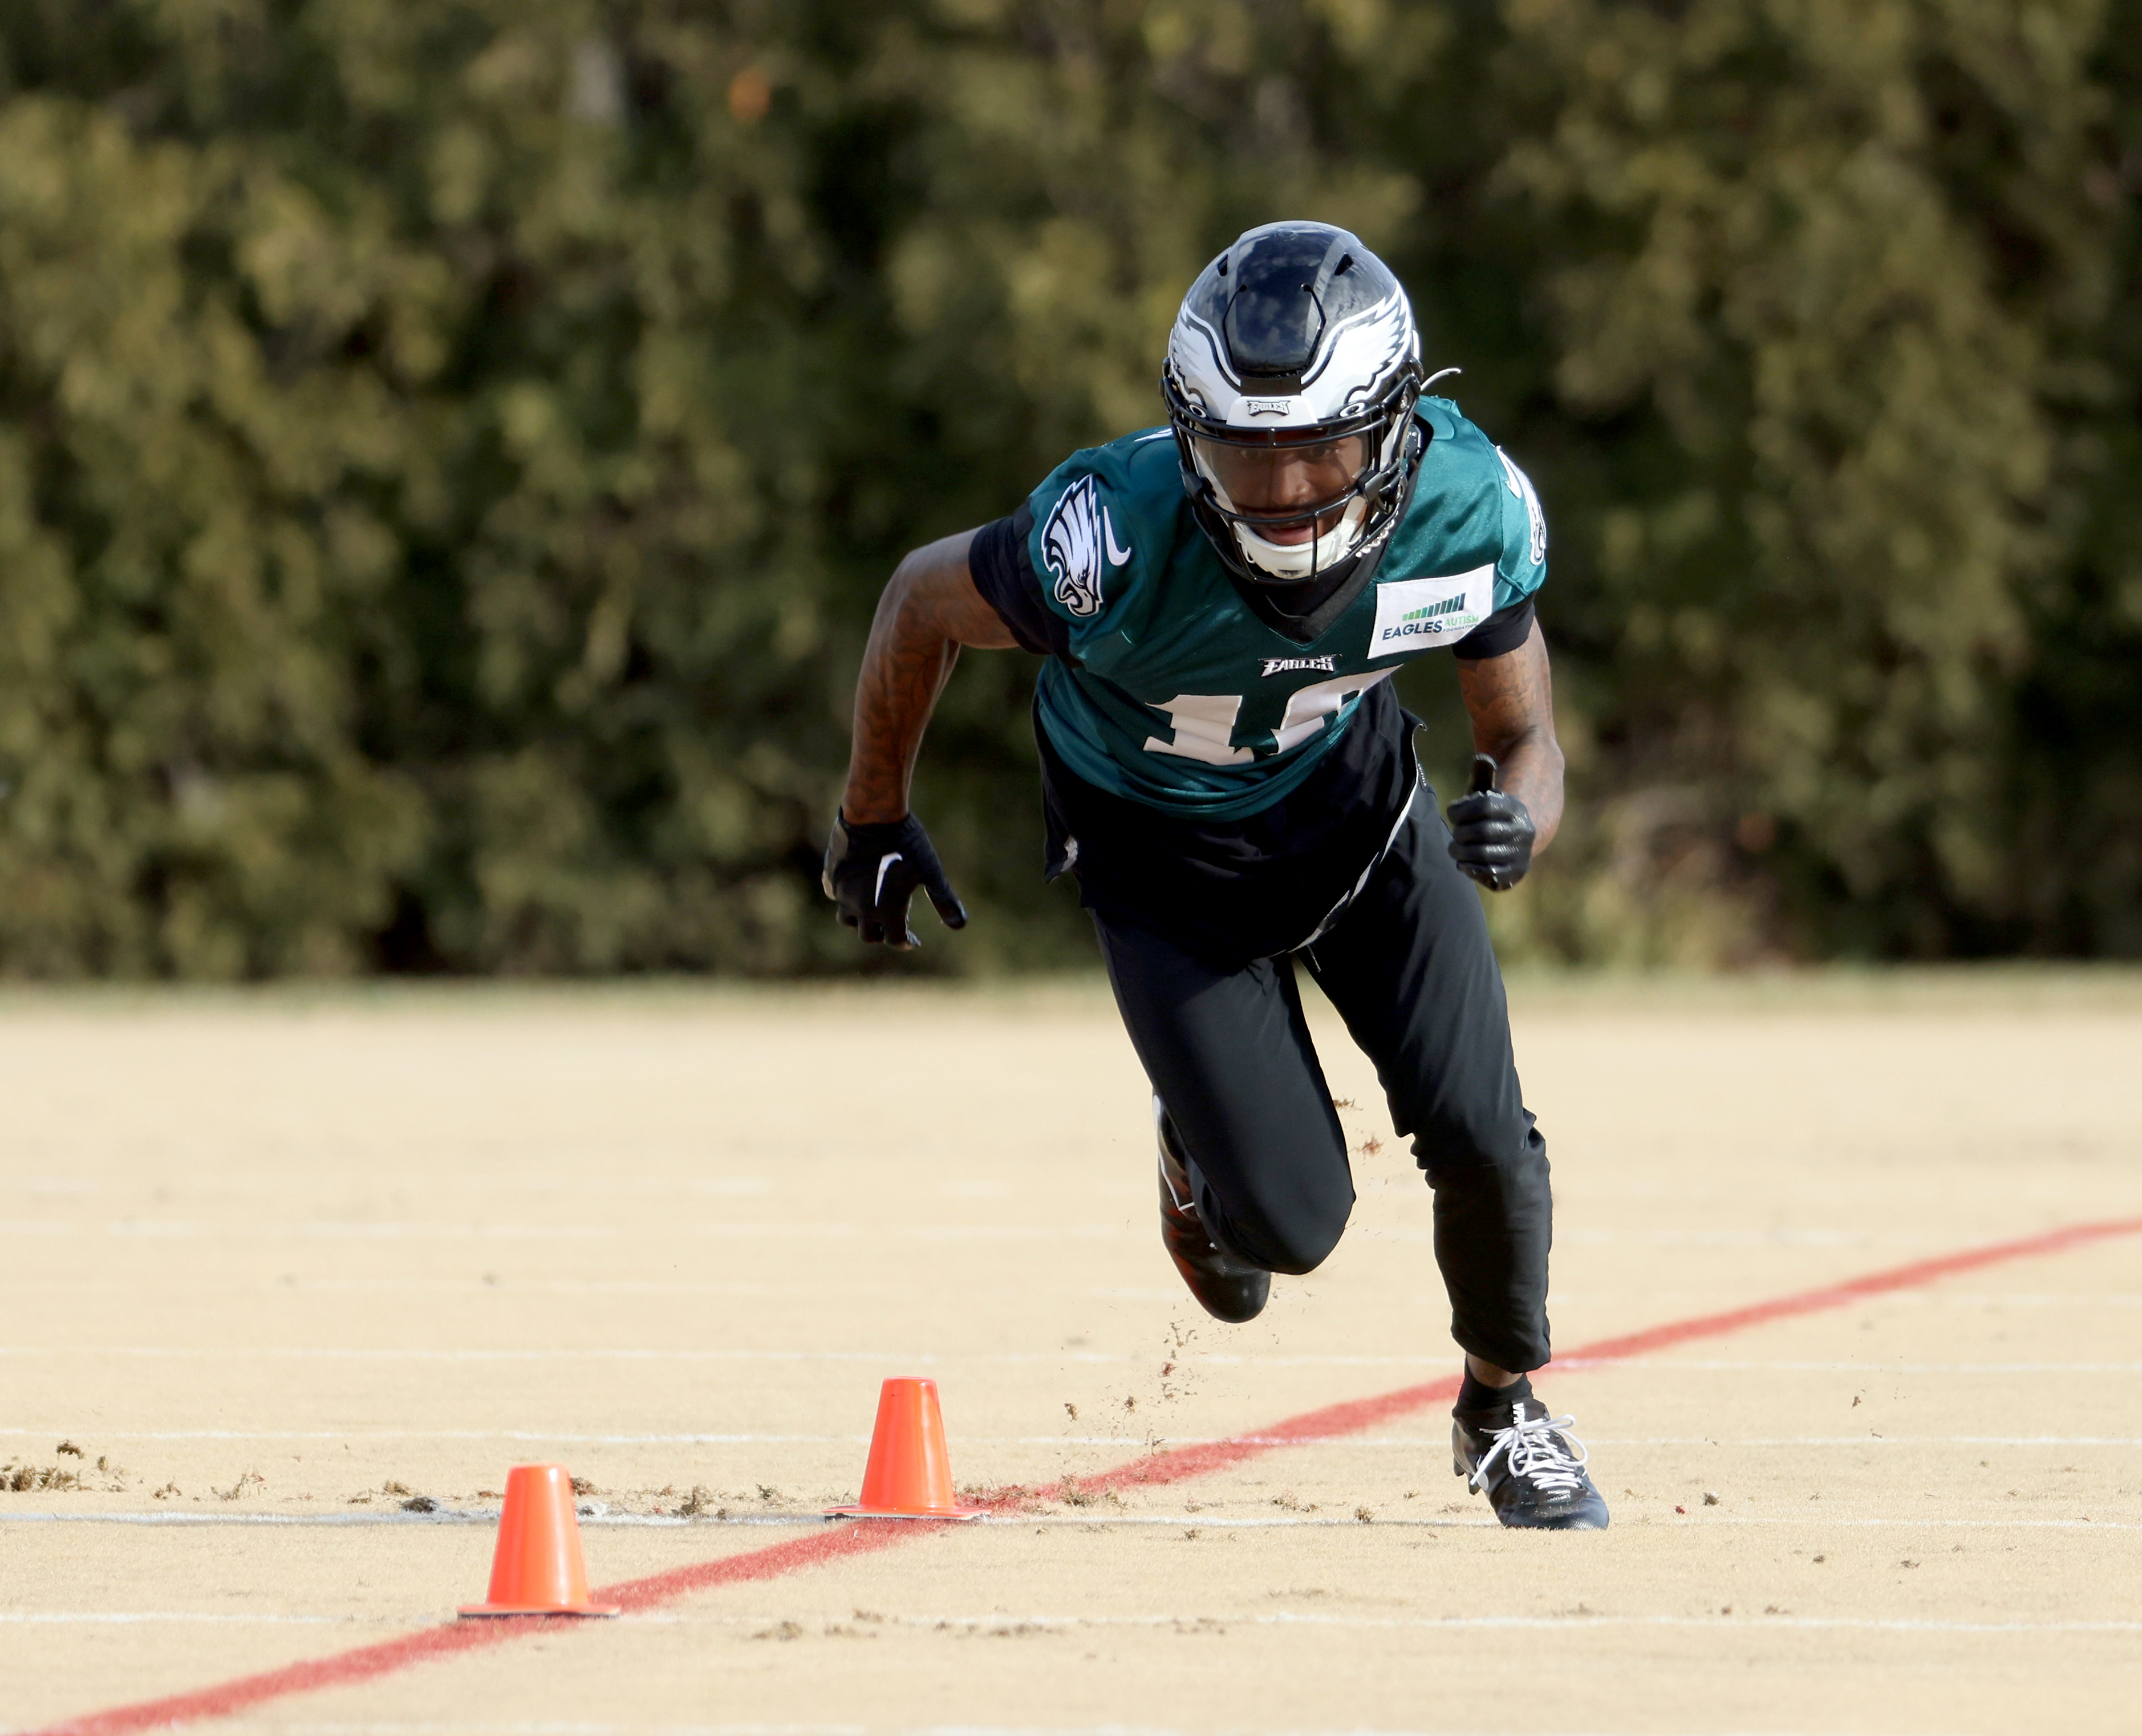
1343	539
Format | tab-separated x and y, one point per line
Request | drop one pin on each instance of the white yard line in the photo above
1076	1519
1202	1520
454	1229
1933	1296
325	1353
424	1230
437	1516
1261	1619
1417	1442
1773	1365
475	1285
128	1618
561	1727
1281	1618
1126	1443
514	1434
380	1727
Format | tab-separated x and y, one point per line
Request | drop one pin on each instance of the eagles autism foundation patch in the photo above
1412	613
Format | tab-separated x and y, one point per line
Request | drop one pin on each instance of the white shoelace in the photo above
1539	1450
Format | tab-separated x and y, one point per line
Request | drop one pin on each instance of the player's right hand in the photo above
871	872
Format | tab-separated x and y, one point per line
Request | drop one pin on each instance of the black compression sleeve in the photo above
1500	632
997	562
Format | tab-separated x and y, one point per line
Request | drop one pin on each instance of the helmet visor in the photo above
1287	479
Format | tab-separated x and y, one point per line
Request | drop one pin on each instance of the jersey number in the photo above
1204	724
1204	729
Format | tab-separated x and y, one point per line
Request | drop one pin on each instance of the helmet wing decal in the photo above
1390	315
1187	324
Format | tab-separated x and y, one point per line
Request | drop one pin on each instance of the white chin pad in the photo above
1303	560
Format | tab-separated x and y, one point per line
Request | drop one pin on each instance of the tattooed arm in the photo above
879	856
929	609
1510	699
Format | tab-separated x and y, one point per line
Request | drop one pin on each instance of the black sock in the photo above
1476	1397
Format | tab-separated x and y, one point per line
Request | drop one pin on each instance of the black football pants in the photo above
1409	967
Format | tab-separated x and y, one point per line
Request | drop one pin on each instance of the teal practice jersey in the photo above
1176	693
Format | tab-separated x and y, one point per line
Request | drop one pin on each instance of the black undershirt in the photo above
1233	890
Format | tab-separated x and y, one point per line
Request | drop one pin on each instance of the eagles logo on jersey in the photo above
1078	547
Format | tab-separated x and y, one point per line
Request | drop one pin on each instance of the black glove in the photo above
871	871
1491	833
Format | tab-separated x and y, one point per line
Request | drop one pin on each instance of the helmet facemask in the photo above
1296	502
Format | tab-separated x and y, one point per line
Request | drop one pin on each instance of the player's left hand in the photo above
871	872
1491	831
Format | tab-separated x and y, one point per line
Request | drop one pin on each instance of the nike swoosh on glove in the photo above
1490	831
871	872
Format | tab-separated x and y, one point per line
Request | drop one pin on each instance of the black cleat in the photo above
1531	1466
1226	1286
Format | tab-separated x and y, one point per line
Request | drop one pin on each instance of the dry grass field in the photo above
289	1280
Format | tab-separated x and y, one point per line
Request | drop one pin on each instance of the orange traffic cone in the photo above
910	1474
537	1570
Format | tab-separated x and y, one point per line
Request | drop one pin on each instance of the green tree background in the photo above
449	453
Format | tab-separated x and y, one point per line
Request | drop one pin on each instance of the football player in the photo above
1221	602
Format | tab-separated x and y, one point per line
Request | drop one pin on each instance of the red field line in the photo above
367	1662
1357	1414
340	1668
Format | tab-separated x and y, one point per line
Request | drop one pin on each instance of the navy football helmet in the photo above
1291	376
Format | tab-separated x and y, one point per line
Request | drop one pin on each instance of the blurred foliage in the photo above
449	454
